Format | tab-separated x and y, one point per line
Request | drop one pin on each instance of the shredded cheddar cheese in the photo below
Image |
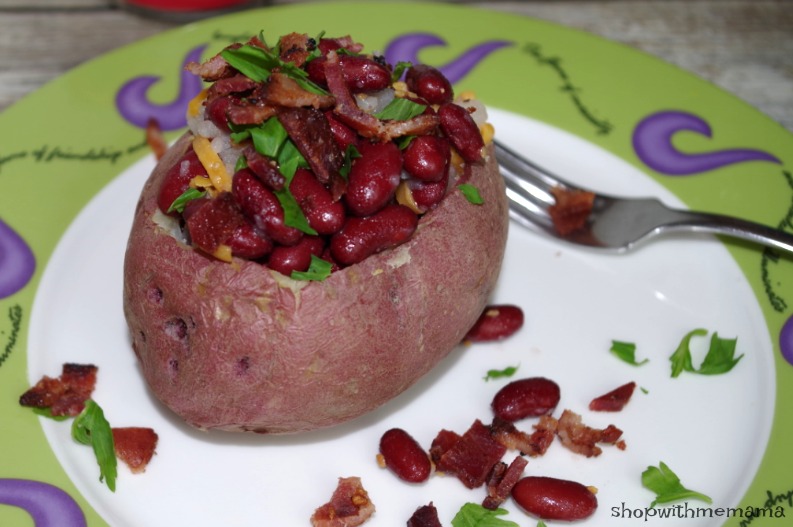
488	132
212	163
194	106
223	252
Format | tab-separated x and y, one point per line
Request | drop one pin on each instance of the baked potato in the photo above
230	343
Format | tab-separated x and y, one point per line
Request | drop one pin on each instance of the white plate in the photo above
575	301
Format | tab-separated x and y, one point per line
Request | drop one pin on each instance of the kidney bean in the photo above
213	221
495	323
554	499
362	237
462	131
325	215
247	242
286	259
429	83
427	157
531	397
217	111
262	207
427	195
361	73
404	456
373	178
177	179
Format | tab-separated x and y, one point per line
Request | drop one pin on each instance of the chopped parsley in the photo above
184	198
626	352
257	64
318	270
720	357
509	371
474	515
91	428
667	487
400	109
471	193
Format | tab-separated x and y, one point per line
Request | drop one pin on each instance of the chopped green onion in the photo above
499	374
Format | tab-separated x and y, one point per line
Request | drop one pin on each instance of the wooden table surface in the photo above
742	46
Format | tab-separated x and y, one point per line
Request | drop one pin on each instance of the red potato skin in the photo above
238	347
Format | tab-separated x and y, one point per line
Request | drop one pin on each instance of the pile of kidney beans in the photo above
399	170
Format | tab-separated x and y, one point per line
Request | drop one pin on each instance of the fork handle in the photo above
732	227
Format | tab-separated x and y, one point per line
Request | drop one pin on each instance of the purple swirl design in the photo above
134	106
407	47
786	340
17	262
48	505
652	141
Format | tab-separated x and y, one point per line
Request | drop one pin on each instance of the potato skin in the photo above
238	347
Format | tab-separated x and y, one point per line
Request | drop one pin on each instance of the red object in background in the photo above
187	5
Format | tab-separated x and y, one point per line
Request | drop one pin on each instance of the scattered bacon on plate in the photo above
534	444
613	401
66	395
501	480
135	446
425	516
155	139
571	210
583	439
471	457
349	506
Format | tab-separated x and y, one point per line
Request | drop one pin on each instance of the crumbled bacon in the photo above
249	113
155	139
311	133
425	516
444	441
583	439
135	446
501	481
613	401
264	168
282	90
571	210
66	395
213	69
472	457
296	48
534	444
348	506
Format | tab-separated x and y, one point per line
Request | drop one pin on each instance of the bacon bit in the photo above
349	506
295	48
582	439
501	481
135	446
613	401
313	137
472	457
425	516
246	113
66	395
155	139
282	90
534	444
213	69
444	441
571	210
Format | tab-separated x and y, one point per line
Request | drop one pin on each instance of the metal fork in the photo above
616	223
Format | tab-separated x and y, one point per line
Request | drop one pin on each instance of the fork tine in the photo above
518	167
524	206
